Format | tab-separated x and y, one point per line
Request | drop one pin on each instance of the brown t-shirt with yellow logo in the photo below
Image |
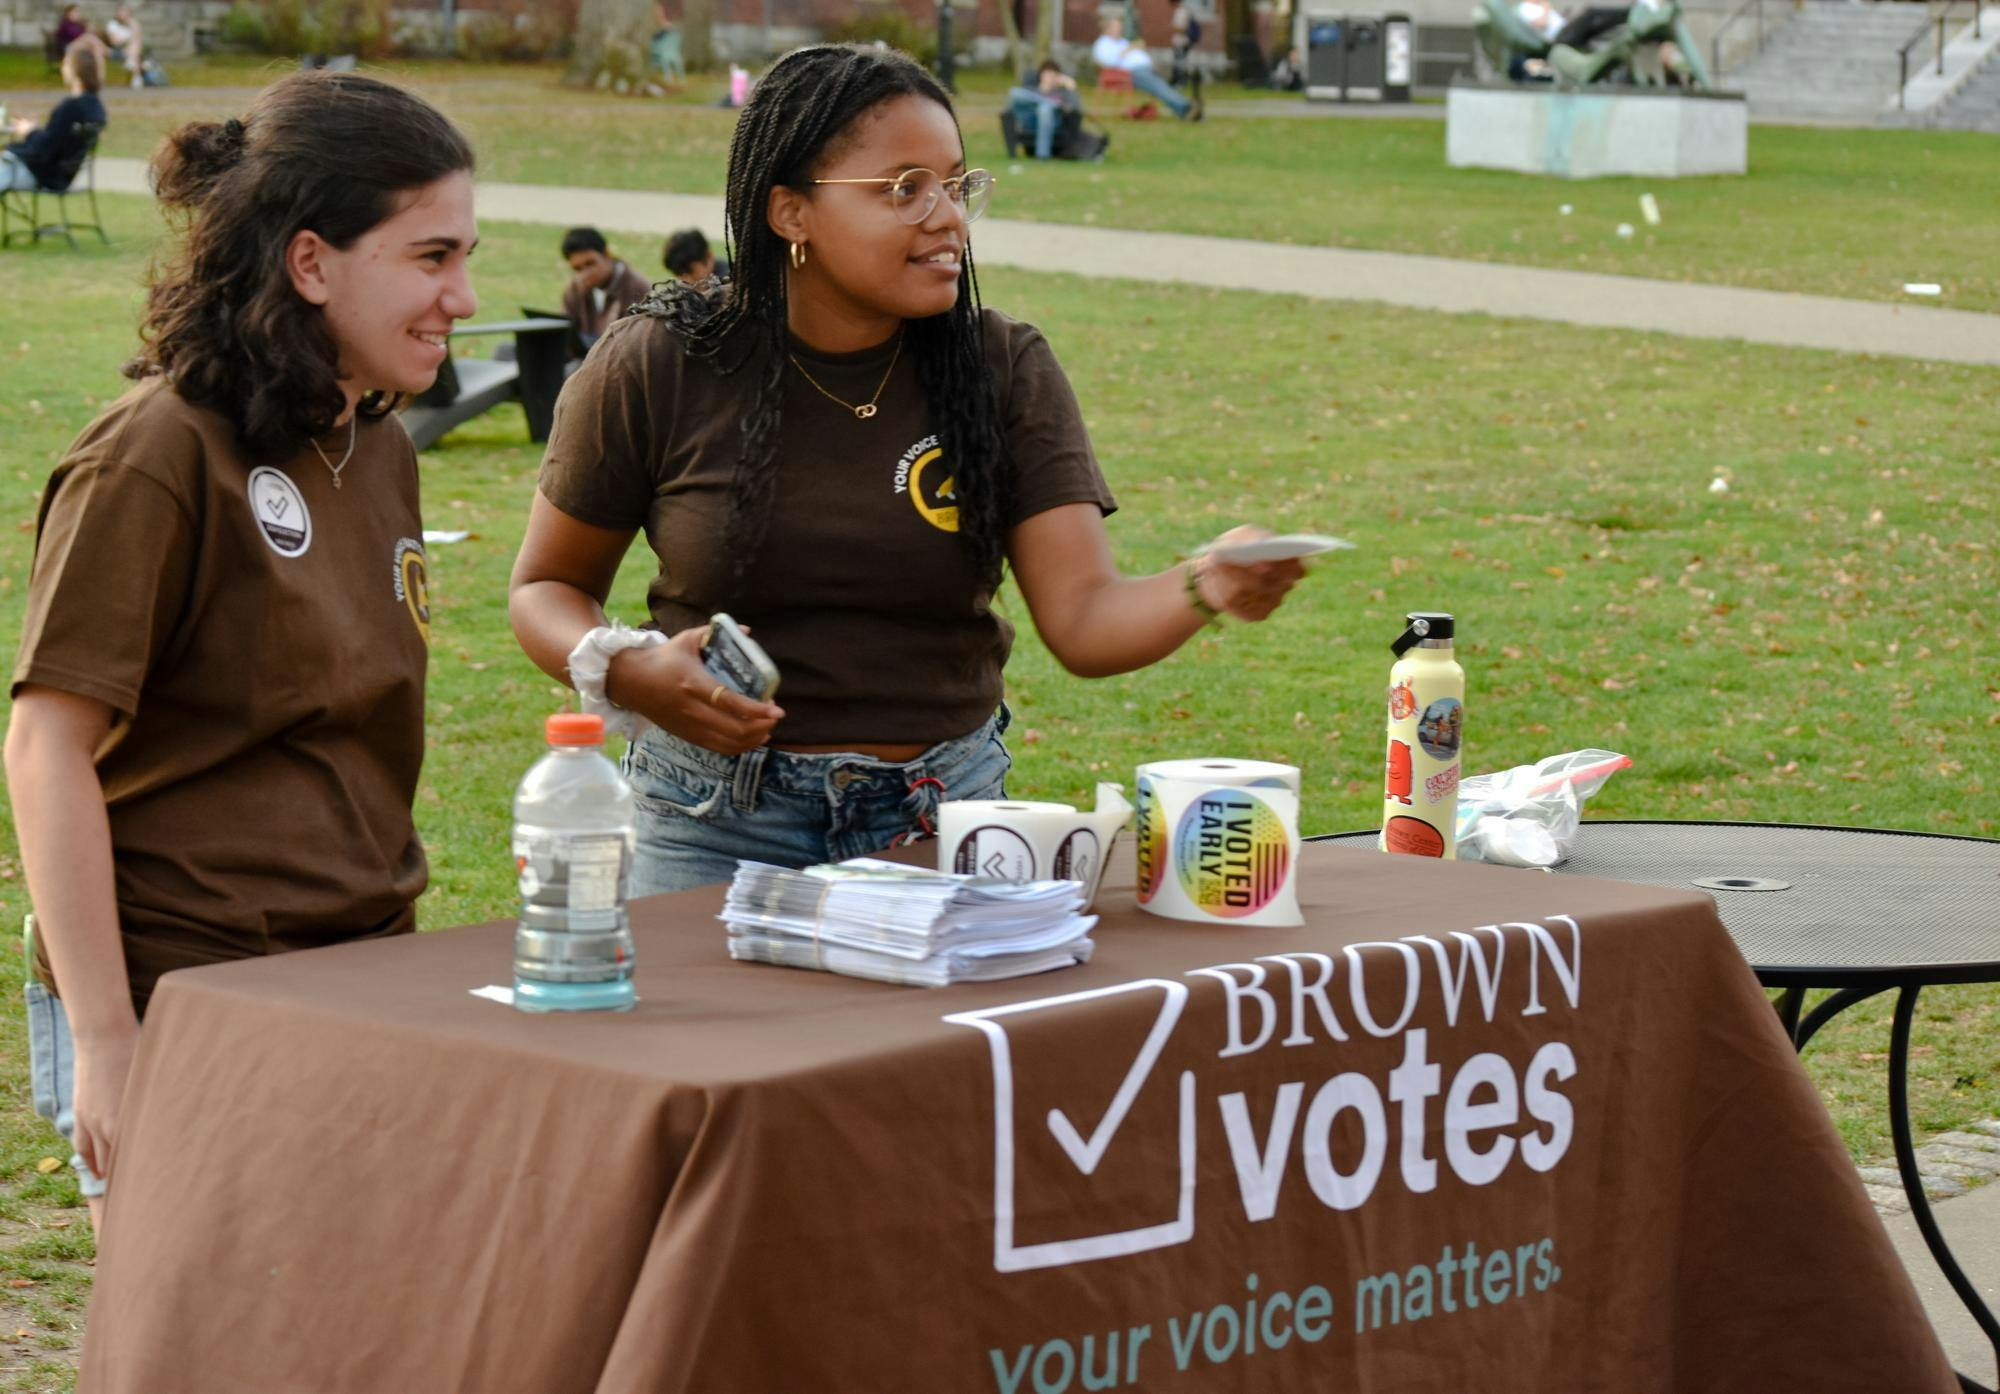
262	637
862	593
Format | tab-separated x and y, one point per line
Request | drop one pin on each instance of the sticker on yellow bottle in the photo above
1412	837
1439	728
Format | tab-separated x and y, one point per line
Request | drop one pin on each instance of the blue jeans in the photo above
15	174
699	811
1153	85
1034	112
52	1073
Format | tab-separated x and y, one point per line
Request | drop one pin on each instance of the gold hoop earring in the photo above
798	256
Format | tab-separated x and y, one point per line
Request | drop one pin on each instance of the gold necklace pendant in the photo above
353	426
867	408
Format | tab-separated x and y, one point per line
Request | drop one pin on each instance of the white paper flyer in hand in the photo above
1289	547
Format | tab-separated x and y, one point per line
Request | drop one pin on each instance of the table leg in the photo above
541	355
1913	1185
1828	1010
1787	1006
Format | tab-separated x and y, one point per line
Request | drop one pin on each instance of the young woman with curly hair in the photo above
843	448
218	705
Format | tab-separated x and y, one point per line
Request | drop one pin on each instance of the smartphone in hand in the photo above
738	661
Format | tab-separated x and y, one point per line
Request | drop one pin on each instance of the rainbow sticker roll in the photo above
1219	841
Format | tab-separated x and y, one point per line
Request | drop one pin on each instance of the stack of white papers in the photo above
903	924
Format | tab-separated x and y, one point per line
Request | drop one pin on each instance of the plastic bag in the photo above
1528	816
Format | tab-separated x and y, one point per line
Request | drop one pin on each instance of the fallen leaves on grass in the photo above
48	1164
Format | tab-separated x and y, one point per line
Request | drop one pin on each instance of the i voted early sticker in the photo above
1231	852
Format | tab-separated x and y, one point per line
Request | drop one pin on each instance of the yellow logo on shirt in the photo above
413	587
929	484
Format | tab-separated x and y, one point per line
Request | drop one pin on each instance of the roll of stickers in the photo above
1219	841
1018	840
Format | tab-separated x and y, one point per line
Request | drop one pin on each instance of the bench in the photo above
469	387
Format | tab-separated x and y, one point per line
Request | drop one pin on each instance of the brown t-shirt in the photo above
262	637
862	593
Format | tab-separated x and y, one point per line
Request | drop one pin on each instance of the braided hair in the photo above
806	103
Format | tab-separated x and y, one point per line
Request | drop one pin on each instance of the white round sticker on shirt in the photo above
281	512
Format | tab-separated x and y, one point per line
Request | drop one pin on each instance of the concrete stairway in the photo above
1833	63
1975	106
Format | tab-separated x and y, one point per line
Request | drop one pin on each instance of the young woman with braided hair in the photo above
842	448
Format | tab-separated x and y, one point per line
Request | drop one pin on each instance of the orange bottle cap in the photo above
575	728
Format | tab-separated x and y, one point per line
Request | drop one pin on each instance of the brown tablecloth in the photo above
1597	1168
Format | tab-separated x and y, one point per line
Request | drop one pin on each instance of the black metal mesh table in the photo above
1858	910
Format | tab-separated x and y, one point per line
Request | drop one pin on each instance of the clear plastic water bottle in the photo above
573	850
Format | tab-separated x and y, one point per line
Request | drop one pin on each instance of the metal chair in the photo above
25	205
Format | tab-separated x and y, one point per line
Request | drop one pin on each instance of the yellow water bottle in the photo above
1426	725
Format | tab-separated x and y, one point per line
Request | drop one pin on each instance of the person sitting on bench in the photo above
124	36
48	158
1288	74
68	30
602	289
1113	50
689	258
1039	102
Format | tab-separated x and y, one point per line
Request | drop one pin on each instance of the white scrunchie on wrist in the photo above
590	662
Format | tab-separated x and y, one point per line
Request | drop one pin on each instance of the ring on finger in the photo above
715	697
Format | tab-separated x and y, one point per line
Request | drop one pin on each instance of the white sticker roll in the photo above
1019	840
1252	774
1217	849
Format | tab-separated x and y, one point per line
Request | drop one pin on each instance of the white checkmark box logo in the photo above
1085	1154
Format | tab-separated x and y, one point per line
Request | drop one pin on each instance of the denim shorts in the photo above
52	1068
699	811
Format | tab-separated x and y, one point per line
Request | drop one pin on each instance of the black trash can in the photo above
1366	52
1326	57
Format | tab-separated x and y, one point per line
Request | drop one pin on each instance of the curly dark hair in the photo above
331	152
807	102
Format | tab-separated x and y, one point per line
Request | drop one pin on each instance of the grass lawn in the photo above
1832	212
1812	645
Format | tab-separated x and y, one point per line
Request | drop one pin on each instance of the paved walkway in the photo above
1327	273
1971	1225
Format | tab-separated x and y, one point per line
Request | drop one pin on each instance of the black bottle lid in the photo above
1424	624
